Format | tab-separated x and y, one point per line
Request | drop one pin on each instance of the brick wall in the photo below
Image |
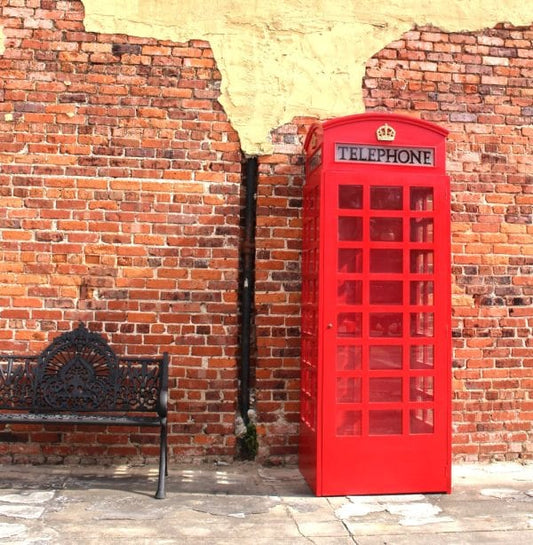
120	186
277	292
479	86
120	202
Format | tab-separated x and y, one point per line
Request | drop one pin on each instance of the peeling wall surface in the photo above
283	59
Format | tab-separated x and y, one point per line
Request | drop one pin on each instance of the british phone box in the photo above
376	369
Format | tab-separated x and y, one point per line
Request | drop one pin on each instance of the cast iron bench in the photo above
78	379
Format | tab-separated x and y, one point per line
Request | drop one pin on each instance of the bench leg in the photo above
163	471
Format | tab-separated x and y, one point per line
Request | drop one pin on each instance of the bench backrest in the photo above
17	377
79	372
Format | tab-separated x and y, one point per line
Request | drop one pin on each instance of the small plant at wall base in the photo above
248	444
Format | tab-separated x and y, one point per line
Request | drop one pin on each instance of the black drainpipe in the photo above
247	285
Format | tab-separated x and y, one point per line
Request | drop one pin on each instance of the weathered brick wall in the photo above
479	86
120	202
277	296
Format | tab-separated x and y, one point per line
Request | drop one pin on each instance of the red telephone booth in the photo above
376	369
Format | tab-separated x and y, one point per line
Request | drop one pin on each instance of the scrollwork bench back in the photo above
78	379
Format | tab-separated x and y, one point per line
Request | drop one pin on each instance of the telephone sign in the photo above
384	155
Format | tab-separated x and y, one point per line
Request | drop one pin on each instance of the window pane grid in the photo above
385	260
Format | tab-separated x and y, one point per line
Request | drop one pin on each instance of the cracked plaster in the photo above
284	59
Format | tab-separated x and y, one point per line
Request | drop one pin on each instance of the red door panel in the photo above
386	363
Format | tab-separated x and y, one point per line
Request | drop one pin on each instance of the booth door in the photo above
386	402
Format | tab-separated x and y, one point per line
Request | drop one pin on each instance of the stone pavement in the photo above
246	504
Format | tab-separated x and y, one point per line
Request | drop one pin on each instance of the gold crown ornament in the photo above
385	133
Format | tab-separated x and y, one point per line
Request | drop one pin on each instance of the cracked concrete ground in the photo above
246	504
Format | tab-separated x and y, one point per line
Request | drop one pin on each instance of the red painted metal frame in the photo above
376	362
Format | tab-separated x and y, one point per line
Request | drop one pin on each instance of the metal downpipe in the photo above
247	285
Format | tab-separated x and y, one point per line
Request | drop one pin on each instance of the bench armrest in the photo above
163	394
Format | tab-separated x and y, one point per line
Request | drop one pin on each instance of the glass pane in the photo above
349	423
385	389
386	229
386	261
309	322
308	412
349	324
385	357
421	293
421	356
350	260
348	390
421	230
348	358
350	228
422	324
385	422
306	378
350	292
421	389
421	421
386	324
384	292
386	198
422	261
350	196
309	350
421	198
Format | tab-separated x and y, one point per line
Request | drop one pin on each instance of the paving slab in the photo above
247	504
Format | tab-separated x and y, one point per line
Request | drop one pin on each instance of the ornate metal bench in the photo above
78	379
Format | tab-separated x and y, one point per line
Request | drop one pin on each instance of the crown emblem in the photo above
386	133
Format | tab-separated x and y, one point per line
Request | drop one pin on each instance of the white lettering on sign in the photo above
360	153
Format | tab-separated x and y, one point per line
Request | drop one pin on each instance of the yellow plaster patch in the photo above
2	46
282	59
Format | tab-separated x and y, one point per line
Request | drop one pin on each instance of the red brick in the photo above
97	230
